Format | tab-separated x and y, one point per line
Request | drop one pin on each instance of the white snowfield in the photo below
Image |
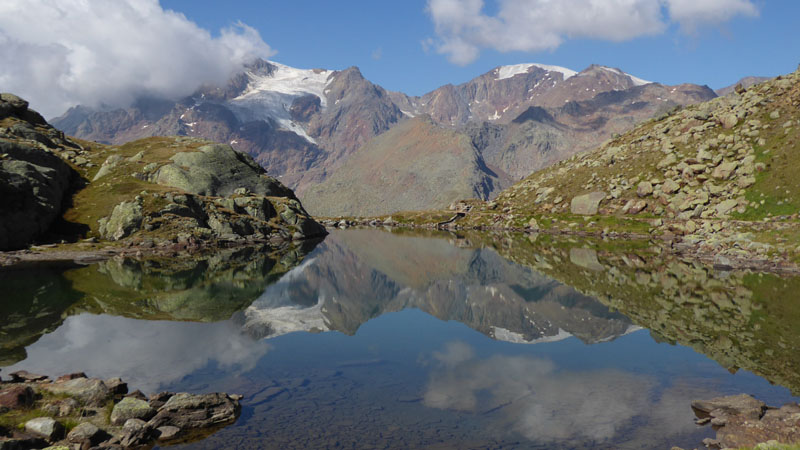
636	81
270	96
504	72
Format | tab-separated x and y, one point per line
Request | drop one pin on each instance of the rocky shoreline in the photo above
77	412
742	421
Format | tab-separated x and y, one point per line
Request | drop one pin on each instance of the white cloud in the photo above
57	54
463	28
693	13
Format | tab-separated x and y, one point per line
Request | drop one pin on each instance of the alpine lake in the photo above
393	339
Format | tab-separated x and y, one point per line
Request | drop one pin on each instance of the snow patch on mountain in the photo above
636	81
504	72
269	97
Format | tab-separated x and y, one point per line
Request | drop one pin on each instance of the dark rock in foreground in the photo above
34	181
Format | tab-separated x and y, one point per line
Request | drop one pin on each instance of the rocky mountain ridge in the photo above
305	125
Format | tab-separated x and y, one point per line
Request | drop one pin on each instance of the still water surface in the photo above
375	340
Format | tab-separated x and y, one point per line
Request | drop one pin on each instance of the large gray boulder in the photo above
33	185
218	170
125	219
587	204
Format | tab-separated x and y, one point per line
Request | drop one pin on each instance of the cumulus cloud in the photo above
463	28
57	54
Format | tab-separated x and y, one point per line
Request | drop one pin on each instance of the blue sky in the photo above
384	39
106	53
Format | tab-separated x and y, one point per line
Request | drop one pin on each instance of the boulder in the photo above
670	187
23	376
16	397
125	219
131	408
725	207
724	170
167	433
136	433
729	120
218	170
87	435
587	204
91	391
192	411
740	405
33	185
46	427
644	189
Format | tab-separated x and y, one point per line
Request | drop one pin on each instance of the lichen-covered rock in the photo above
218	169
131	408
47	427
91	391
87	434
125	219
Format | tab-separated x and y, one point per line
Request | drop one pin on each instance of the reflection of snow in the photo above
277	311
501	334
146	354
547	404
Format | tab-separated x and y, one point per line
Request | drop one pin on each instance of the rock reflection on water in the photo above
378	339
198	288
357	276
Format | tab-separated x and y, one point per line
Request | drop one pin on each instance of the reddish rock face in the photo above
16	397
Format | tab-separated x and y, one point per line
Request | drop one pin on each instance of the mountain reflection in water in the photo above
380	339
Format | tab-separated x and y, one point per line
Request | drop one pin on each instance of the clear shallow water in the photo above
376	340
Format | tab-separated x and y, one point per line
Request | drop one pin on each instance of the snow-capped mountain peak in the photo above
270	94
504	72
636	81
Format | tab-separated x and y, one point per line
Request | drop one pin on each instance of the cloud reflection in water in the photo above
543	403
146	354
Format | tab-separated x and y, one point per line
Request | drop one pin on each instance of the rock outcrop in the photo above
34	180
164	188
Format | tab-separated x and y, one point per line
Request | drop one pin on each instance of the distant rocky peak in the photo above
612	75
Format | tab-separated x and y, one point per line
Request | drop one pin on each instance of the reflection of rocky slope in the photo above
741	320
201	289
33	303
359	275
